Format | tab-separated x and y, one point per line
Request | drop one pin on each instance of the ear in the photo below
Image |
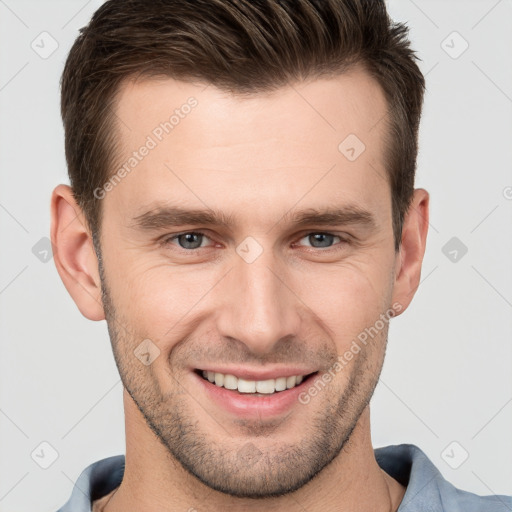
74	255
412	249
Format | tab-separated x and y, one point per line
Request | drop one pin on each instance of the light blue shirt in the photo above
427	490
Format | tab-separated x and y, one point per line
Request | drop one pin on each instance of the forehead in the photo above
321	138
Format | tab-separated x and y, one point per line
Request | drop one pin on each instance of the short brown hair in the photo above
241	46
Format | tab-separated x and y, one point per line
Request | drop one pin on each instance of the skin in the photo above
299	303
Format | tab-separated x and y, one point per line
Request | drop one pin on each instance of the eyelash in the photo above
343	241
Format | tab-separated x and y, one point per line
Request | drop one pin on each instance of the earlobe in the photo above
74	253
412	249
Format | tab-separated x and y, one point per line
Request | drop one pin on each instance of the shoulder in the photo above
427	489
94	482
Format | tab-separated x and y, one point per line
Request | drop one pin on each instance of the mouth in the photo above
237	392
263	388
255	394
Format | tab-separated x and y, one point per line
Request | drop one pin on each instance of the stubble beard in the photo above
248	466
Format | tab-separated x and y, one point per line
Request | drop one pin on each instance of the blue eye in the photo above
322	239
191	240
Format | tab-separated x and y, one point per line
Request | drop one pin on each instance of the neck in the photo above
154	480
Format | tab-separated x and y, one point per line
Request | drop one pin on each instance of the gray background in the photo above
446	384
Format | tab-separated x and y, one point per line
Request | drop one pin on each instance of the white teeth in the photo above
280	383
291	381
267	386
219	379
230	381
246	386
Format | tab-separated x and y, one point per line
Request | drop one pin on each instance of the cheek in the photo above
159	300
348	299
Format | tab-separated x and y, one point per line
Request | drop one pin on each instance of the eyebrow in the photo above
161	216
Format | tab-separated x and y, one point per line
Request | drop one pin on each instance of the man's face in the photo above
258	297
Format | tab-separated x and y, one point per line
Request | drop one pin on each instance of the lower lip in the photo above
250	406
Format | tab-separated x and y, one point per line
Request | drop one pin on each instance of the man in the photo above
242	213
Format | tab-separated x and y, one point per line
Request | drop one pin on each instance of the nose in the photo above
258	305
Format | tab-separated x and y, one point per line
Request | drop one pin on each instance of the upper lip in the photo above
253	374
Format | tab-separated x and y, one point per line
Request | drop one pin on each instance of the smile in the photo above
255	387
